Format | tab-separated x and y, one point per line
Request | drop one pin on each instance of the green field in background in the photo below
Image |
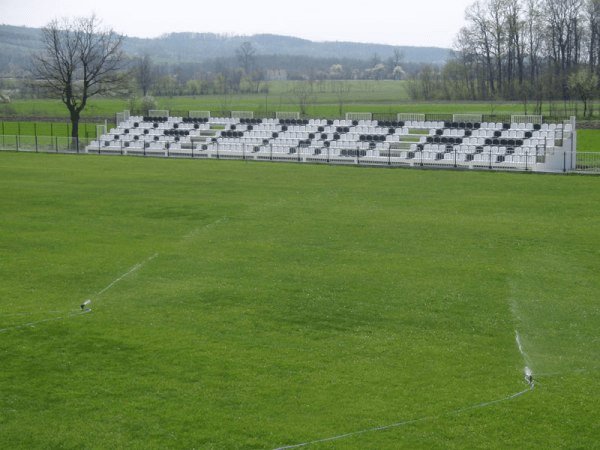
322	99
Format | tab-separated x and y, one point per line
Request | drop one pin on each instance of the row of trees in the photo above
247	72
515	49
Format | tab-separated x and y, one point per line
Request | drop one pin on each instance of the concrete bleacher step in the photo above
433	142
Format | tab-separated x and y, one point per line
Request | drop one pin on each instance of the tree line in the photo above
248	72
540	50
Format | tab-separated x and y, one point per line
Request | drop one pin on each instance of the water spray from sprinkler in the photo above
528	376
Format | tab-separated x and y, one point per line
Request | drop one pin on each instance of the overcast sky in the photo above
399	22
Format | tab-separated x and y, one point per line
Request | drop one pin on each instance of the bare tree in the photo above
398	57
341	90
146	73
245	54
564	27
80	60
303	93
593	17
478	36
533	36
255	79
515	45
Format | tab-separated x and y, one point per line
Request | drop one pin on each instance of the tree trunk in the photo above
75	130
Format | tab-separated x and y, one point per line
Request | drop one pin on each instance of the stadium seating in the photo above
431	143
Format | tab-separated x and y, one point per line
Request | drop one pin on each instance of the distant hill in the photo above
194	47
16	43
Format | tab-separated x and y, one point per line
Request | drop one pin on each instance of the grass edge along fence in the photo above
36	127
43	144
588	162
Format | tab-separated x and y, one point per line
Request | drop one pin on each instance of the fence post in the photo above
17	141
36	143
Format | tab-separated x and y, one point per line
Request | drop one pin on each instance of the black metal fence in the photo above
43	144
536	159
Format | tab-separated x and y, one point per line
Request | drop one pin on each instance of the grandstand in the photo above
465	142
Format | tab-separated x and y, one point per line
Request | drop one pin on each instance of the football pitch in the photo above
244	305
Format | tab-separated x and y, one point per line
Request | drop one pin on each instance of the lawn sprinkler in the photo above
528	376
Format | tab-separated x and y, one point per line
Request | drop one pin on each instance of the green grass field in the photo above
36	128
321	98
245	305
588	141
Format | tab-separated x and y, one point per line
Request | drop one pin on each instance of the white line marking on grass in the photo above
85	303
192	234
528	380
411	421
568	372
33	324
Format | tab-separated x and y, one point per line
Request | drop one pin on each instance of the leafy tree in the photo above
167	85
79	60
583	84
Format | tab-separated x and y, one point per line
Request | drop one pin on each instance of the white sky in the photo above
399	22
